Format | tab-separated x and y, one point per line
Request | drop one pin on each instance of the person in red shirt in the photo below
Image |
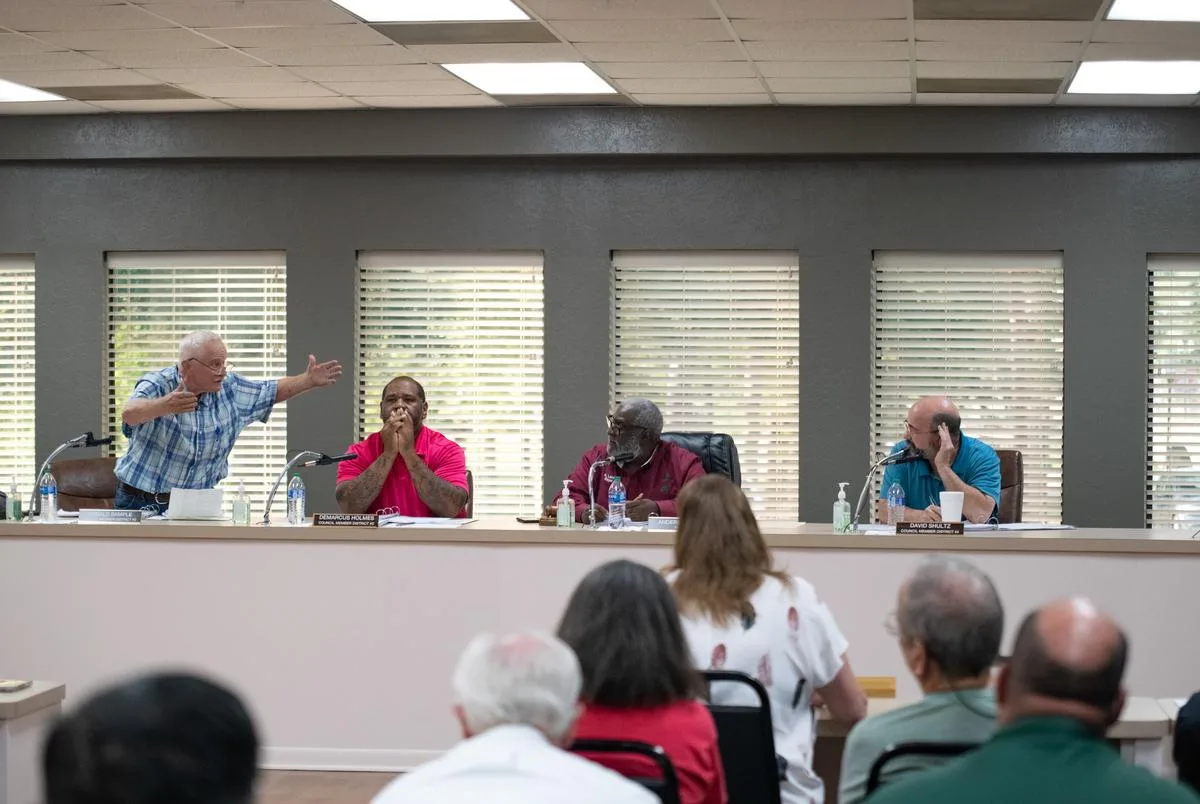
638	679
430	479
652	470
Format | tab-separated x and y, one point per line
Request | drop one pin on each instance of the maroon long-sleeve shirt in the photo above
660	479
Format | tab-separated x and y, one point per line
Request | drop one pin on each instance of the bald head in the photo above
1068	659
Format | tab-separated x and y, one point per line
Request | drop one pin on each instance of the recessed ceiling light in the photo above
433	10
1137	78
19	93
533	78
1156	10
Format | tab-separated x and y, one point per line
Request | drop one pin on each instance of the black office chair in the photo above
665	785
717	452
747	741
944	750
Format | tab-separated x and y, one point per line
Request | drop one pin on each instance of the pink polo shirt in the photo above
443	456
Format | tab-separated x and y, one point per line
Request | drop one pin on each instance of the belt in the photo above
162	498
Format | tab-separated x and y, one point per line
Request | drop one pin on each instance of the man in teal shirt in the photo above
949	621
950	461
1057	697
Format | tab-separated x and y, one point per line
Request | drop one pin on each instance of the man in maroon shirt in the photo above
652	470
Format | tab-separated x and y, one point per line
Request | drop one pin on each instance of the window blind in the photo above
987	331
155	298
713	339
18	457
1173	393
469	328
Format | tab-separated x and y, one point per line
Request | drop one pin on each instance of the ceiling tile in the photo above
844	99
662	51
997	51
985	99
677	69
31	62
167	39
210	57
430	101
1136	51
564	100
77	78
121	92
152	106
285	104
336	56
952	31
1006	9
643	30
1072	99
703	99
809	86
467	33
353	35
828	51
822	31
462	54
375	72
675	86
992	69
452	86
219	75
49	107
293	89
834	69
817	9
16	44
88	18
1183	33
995	86
622	9
258	12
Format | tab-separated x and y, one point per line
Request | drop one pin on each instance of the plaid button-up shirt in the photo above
190	450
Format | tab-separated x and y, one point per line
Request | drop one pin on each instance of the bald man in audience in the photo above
1057	697
950	461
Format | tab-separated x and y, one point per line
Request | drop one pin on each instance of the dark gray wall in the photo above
1105	212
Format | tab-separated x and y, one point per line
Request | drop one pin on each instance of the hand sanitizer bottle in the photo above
841	511
241	506
566	507
13	505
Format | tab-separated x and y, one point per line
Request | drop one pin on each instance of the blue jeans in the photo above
128	502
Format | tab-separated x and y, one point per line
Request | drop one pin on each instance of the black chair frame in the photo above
772	767
927	749
666	787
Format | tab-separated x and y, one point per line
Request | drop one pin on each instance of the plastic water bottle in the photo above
616	503
895	504
48	489
296	501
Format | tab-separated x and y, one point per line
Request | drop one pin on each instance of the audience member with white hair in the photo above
517	700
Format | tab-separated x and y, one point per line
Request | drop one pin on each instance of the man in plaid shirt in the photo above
182	421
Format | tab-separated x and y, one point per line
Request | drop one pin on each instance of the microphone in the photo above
92	441
325	460
906	455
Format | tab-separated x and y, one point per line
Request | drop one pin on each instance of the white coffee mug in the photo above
952	503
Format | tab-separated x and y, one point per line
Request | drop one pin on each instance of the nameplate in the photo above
347	520
942	528
662	523
109	515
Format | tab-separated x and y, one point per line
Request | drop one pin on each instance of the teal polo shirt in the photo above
976	464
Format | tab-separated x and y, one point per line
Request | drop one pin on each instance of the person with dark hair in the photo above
158	739
651	469
949	621
1186	751
1057	696
950	461
430	477
638	679
741	613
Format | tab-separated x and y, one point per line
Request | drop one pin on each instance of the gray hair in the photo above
952	608
530	678
643	413
191	344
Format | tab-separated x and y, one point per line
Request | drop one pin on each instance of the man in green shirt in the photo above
949	621
1056	698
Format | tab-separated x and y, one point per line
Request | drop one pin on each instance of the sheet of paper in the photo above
1030	526
397	521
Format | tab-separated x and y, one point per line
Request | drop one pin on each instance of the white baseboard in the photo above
345	759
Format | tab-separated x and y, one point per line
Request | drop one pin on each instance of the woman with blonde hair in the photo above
741	613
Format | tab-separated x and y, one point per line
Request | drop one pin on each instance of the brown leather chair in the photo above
470	494
85	483
1012	485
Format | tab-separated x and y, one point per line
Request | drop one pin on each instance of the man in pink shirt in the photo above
652	470
430	479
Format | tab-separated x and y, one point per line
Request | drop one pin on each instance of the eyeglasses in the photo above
908	428
616	428
216	367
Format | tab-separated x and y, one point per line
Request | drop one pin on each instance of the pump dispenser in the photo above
841	510
566	508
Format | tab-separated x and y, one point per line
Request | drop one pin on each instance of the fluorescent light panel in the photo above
533	78
19	93
433	10
1137	78
1156	10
